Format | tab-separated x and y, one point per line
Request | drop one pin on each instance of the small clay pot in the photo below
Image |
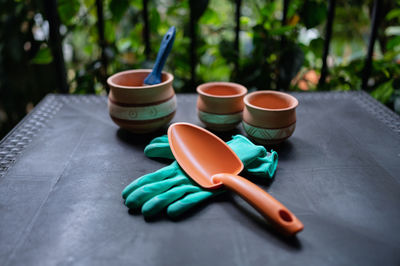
220	104
269	117
137	107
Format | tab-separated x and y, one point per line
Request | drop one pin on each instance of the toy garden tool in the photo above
211	163
255	158
171	189
166	45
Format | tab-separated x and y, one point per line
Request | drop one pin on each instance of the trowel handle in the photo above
163	52
267	205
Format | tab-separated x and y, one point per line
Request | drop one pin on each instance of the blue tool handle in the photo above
166	45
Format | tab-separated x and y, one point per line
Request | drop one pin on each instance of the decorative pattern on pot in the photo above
137	107
269	117
220	119
269	136
148	112
220	105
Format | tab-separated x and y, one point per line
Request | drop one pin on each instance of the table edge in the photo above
49	106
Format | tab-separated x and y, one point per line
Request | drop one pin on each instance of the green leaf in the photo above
118	8
244	21
198	7
67	10
267	11
42	57
395	13
109	31
280	30
227	50
211	17
393	42
392	30
313	13
383	92
123	44
317	46
155	20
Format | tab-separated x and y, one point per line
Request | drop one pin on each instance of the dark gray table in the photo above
62	170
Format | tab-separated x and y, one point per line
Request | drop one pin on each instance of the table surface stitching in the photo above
19	138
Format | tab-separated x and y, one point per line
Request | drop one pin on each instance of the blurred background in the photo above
72	46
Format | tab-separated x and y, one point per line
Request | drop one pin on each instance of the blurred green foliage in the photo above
272	55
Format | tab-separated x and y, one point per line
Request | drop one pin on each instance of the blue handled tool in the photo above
166	45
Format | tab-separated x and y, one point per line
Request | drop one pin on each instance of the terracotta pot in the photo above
220	104
269	117
141	108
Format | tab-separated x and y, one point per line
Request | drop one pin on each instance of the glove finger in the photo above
160	139
138	197
245	149
159	148
184	204
161	174
159	202
264	166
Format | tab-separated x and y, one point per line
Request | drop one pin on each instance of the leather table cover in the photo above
62	170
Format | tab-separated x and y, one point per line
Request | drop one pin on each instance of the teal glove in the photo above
165	187
257	161
170	187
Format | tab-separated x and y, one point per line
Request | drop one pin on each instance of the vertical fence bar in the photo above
102	42
55	42
372	38
237	35
146	29
328	36
193	56
283	40
284	12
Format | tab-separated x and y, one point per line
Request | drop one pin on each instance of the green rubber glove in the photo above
257	161
170	187
153	192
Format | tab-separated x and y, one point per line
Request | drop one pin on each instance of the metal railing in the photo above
56	45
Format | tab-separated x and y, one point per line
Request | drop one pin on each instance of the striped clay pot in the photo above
141	108
220	105
269	117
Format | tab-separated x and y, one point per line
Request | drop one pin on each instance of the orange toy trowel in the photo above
211	163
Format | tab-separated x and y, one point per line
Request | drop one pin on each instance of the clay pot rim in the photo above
285	95
201	87
110	81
